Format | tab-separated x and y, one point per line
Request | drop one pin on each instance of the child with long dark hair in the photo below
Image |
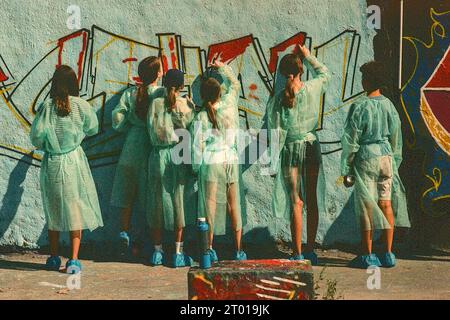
130	116
167	117
216	160
68	191
293	117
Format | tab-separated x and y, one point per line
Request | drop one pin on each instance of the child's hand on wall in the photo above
303	51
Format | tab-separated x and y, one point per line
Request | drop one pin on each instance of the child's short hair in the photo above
373	74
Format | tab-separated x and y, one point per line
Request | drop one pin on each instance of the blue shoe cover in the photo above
213	255
365	261
297	257
240	256
388	260
53	263
181	260
73	266
311	256
124	243
156	258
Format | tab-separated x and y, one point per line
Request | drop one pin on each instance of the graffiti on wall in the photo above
425	98
106	64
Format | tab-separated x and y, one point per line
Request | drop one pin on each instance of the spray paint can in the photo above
203	232
349	181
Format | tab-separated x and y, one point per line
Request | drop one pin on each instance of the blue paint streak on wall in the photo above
30	51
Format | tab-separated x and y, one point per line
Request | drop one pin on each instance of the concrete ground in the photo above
415	277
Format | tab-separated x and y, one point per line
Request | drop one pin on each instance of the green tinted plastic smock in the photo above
168	170
215	157
373	130
68	191
291	130
130	179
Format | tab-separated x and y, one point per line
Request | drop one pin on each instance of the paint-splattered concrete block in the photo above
253	280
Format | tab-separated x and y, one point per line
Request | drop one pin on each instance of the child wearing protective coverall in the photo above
69	196
129	116
168	121
293	118
216	160
372	154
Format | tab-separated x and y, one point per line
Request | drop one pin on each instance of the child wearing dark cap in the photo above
167	175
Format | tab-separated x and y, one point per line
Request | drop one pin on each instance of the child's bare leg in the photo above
125	219
296	207
179	234
211	207
234	214
53	238
75	239
312	209
386	207
156	232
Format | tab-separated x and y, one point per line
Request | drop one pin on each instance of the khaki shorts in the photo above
377	175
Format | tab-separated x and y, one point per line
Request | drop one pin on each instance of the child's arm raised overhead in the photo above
120	112
38	128
231	97
90	123
321	74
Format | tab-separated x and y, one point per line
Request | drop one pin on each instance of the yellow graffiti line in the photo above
103	141
201	277
24	124
241	62
441	198
409	144
106	45
436	181
254	62
117	82
194	298
114	92
413	40
291	295
130	62
437	131
22	150
344	74
250	111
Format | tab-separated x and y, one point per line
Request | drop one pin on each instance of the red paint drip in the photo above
61	43
165	63
3	77
228	51
253	87
129	60
274	52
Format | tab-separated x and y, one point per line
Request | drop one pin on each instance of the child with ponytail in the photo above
293	117
68	191
168	118
130	115
215	158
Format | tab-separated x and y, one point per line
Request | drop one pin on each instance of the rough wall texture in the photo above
116	34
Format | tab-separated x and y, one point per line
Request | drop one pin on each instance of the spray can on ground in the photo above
203	231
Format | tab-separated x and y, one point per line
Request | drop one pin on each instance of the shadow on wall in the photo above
13	195
344	227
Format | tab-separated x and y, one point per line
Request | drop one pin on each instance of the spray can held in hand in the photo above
203	231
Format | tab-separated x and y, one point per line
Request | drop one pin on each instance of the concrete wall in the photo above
35	38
